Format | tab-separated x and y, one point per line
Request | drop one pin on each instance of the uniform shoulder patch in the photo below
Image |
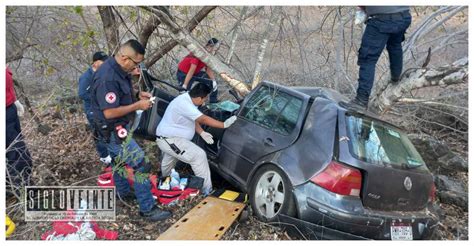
110	97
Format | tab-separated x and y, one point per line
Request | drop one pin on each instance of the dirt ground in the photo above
66	156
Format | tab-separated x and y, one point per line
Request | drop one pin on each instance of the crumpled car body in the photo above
305	153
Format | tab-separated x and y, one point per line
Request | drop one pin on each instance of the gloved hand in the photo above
207	137
214	85
19	108
360	16
185	86
230	121
106	161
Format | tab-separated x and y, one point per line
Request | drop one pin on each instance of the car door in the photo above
268	121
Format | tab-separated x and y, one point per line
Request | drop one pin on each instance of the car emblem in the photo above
407	183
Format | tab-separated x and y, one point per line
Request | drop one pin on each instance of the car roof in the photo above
327	93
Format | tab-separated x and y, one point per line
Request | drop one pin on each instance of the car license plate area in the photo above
401	231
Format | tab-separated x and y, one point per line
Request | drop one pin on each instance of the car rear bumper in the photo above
347	214
309	231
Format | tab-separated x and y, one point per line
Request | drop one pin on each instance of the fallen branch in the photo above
454	74
429	102
184	38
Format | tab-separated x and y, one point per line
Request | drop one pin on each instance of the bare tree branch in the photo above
263	45
429	102
18	54
235	34
110	27
94	40
151	24
444	76
190	26
424	28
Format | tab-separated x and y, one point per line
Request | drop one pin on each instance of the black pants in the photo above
19	162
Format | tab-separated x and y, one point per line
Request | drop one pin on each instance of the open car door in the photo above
145	123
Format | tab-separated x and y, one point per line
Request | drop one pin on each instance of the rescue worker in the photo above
175	131
190	70
19	163
386	27
113	104
85	82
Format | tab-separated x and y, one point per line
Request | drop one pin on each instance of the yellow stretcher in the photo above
208	220
10	226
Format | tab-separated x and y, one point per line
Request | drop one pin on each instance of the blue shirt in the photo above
112	88
84	88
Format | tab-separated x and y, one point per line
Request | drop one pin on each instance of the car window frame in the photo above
422	167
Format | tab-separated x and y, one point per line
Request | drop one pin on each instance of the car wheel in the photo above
271	194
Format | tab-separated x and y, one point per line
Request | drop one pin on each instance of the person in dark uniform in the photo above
385	28
19	163
190	69
85	82
113	104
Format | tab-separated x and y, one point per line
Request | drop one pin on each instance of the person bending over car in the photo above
175	131
191	69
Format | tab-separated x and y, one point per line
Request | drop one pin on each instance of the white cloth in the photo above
19	108
193	155
179	118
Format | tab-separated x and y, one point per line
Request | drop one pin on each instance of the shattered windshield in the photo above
375	142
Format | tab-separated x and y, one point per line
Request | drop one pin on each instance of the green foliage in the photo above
133	15
184	10
90	33
119	161
10	10
78	10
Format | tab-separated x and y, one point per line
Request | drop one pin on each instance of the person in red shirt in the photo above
190	70
19	162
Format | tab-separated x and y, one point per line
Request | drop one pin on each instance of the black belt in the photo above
172	146
392	16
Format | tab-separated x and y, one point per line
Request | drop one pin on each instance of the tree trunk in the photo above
151	24
110	27
190	26
339	51
183	37
418	78
263	46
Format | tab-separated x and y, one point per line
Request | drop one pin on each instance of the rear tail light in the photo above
340	179
432	193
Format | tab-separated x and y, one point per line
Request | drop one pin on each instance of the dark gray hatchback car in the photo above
302	153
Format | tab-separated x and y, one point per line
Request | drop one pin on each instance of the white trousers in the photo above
193	155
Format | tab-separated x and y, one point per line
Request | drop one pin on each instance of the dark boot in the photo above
394	80
356	102
156	214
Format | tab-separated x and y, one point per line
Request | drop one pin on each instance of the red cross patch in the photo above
122	133
110	97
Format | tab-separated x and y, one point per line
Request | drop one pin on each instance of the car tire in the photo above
271	194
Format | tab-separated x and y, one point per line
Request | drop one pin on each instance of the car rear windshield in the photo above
376	142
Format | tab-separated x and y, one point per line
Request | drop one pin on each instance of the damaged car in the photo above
306	157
